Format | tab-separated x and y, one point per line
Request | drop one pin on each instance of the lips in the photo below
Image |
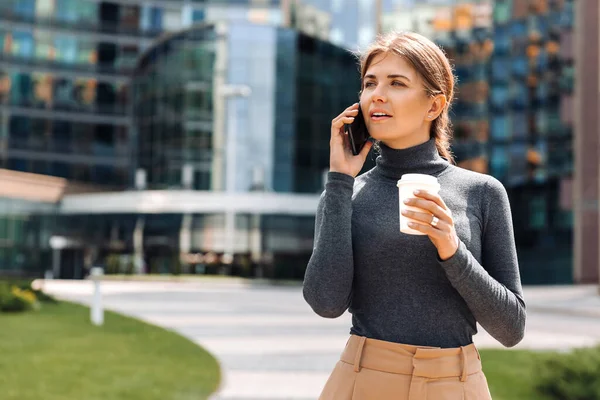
378	115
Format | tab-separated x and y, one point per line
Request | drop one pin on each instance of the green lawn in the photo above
511	373
56	354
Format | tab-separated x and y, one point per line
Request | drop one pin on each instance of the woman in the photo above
415	300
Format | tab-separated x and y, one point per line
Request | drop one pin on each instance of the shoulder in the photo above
465	178
363	178
486	187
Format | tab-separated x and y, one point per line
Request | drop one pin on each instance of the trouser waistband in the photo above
423	361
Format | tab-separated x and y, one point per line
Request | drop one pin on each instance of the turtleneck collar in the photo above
422	159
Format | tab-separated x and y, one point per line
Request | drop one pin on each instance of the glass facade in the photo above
326	81
279	244
25	229
513	115
531	131
64	87
174	111
298	85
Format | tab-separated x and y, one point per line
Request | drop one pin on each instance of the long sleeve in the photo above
493	290
330	271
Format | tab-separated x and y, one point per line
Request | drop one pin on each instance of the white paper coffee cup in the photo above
406	188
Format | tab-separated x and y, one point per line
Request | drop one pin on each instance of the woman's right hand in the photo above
341	158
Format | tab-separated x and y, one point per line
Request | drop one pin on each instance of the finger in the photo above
431	196
429	205
336	126
365	150
426	219
345	114
426	229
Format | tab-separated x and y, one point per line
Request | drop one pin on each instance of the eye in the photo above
397	83
369	84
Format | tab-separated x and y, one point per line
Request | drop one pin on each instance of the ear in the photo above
438	103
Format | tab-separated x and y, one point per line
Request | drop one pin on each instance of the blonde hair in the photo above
432	65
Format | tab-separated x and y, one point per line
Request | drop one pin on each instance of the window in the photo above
42	90
519	125
520	67
502	41
87	52
499	98
60	169
130	18
22	44
500	70
537	212
499	162
518	163
44	45
44	9
25	8
518	94
541	122
18	164
542	60
61	137
63	93
65	49
500	127
502	12
537	26
103	175
5	84
567	80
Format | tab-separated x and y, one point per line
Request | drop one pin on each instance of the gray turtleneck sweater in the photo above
394	284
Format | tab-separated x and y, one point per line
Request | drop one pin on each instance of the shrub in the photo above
574	375
113	264
27	285
13	298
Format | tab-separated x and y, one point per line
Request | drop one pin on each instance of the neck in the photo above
423	159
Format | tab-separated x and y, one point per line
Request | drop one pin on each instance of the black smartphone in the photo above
357	133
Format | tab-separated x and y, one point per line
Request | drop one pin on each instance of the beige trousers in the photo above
372	369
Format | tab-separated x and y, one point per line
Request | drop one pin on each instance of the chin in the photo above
387	136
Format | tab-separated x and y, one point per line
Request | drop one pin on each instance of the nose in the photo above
378	94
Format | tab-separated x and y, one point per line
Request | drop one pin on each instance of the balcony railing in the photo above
87	26
104	69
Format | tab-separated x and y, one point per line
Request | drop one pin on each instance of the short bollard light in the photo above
97	313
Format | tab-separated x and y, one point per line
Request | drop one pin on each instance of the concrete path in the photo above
272	346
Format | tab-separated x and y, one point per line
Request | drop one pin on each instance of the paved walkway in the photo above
272	346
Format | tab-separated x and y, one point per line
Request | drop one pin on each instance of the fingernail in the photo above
412	224
406	201
404	212
417	191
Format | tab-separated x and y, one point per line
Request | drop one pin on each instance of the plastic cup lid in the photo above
418	178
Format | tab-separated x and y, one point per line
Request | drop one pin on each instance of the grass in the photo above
511	374
56	354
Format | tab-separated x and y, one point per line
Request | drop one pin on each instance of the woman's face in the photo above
395	105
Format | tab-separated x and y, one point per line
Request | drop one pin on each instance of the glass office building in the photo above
65	69
64	86
531	132
298	85
28	208
68	109
513	112
186	125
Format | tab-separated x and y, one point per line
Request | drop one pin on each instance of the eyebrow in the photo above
392	76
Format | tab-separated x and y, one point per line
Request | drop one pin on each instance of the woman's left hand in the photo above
443	235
